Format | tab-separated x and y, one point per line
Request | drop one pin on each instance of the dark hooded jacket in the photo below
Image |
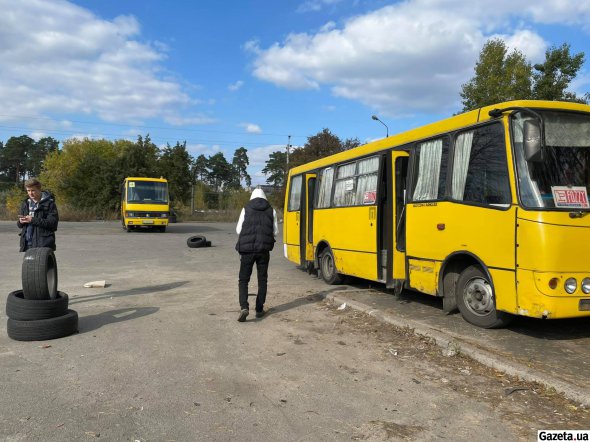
43	225
257	234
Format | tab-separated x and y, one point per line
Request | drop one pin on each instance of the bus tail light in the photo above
571	285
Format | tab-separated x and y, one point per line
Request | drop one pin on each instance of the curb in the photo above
488	358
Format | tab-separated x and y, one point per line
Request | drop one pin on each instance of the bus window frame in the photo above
413	166
300	175
454	136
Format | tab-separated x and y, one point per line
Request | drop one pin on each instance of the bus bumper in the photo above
149	222
537	299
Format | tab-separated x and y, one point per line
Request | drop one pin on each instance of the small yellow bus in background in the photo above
145	203
487	210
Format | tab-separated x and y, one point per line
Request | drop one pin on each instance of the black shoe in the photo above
260	314
243	315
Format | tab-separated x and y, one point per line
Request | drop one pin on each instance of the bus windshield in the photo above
147	192
565	164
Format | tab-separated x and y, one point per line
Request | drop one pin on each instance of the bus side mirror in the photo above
533	148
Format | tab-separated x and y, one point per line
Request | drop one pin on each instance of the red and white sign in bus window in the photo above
370	197
571	197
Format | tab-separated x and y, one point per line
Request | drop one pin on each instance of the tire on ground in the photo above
196	241
43	329
39	274
21	309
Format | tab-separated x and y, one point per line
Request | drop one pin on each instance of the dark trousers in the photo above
247	261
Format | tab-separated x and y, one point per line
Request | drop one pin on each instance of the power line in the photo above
54	120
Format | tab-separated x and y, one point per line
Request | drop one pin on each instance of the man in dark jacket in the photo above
37	218
257	228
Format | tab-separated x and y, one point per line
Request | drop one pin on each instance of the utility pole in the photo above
288	146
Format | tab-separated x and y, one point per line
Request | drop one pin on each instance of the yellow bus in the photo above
487	210
145	203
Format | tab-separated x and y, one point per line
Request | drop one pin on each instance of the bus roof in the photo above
433	129
160	180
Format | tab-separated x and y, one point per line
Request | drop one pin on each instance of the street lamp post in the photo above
374	117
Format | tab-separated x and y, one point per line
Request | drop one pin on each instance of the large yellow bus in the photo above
487	210
145	203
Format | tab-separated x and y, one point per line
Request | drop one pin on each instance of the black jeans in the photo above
247	261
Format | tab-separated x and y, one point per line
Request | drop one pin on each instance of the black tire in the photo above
43	329
207	243
39	274
476	300
328	268
196	241
163	229
21	309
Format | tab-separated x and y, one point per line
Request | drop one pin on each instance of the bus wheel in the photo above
476	300
328	268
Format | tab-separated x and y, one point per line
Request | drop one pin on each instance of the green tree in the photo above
14	157
140	159
351	143
199	169
499	76
86	174
553	77
174	165
219	171
240	164
275	168
38	152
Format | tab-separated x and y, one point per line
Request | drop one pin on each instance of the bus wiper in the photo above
578	214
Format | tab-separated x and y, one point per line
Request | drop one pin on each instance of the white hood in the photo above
258	193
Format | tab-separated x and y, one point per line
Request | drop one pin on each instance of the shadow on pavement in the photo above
302	301
130	292
191	229
93	322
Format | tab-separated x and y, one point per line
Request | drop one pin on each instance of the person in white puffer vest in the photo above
257	229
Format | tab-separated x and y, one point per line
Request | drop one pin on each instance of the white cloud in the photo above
251	128
412	56
60	58
235	86
315	5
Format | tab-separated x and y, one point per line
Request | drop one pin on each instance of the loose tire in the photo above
39	274
476	300
43	329
328	268
21	309
196	241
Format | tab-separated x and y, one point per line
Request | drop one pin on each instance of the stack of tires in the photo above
39	311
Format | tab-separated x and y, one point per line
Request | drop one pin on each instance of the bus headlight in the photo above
586	285
571	285
129	214
164	215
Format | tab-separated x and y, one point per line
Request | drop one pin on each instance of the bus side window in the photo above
295	194
480	172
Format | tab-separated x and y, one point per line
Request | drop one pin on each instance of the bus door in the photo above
292	220
392	230
306	219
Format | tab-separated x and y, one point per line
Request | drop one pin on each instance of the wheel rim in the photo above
327	265
479	297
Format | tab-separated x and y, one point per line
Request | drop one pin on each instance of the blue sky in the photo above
222	75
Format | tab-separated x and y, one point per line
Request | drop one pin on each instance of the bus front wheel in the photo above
328	268
476	300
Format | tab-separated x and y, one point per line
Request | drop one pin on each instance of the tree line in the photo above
87	173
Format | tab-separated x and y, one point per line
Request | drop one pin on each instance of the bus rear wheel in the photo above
476	300
328	268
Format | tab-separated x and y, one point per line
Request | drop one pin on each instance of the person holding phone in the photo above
38	217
